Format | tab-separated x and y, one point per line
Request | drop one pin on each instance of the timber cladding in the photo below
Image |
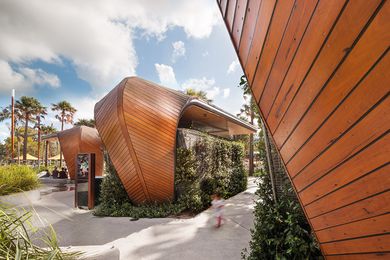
319	72
81	139
137	122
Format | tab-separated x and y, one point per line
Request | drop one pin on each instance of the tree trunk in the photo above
39	140
25	140
46	150
62	129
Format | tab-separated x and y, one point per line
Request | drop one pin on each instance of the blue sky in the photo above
83	51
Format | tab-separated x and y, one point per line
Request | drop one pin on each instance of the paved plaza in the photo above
158	238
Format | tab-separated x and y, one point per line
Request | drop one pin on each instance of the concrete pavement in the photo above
161	238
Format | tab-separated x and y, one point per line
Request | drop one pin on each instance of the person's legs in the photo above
219	219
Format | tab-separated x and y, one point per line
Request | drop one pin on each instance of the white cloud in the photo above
96	37
233	67
204	84
205	54
226	92
179	50
24	78
213	92
166	75
41	77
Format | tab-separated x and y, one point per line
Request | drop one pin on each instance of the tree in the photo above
6	113
65	112
46	130
86	122
65	115
28	108
198	94
3	151
249	110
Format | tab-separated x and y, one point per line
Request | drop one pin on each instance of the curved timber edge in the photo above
138	122
81	139
319	72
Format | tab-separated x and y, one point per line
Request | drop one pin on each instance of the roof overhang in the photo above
211	119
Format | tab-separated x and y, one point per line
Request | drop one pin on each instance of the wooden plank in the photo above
369	256
248	30
374	42
230	12
262	24
347	29
364	162
362	134
367	227
364	209
374	88
296	27
319	28
223	7
239	21
371	184
369	244
277	28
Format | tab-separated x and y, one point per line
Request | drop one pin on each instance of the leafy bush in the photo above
281	230
16	178
16	242
212	165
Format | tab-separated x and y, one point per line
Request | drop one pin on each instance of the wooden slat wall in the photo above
137	122
81	139
319	71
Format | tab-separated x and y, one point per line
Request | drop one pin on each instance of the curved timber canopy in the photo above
137	122
319	72
79	139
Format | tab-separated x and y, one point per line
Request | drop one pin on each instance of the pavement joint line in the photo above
239	224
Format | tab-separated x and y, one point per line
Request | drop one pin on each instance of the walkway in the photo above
164	238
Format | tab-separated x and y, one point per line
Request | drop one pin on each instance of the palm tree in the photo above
65	115
28	108
198	94
66	112
86	122
46	130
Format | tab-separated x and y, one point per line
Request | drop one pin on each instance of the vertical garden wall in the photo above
205	165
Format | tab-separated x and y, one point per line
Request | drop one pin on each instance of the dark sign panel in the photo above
84	181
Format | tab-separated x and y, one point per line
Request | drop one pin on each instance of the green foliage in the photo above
213	165
198	94
112	191
16	178
16	241
280	231
85	122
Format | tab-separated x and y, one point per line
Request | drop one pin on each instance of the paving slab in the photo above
158	238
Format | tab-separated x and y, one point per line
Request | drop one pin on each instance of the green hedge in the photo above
17	178
213	165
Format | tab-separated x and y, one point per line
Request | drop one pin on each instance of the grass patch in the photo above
17	178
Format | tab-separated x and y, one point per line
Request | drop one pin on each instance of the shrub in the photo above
212	165
16	178
281	230
16	242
